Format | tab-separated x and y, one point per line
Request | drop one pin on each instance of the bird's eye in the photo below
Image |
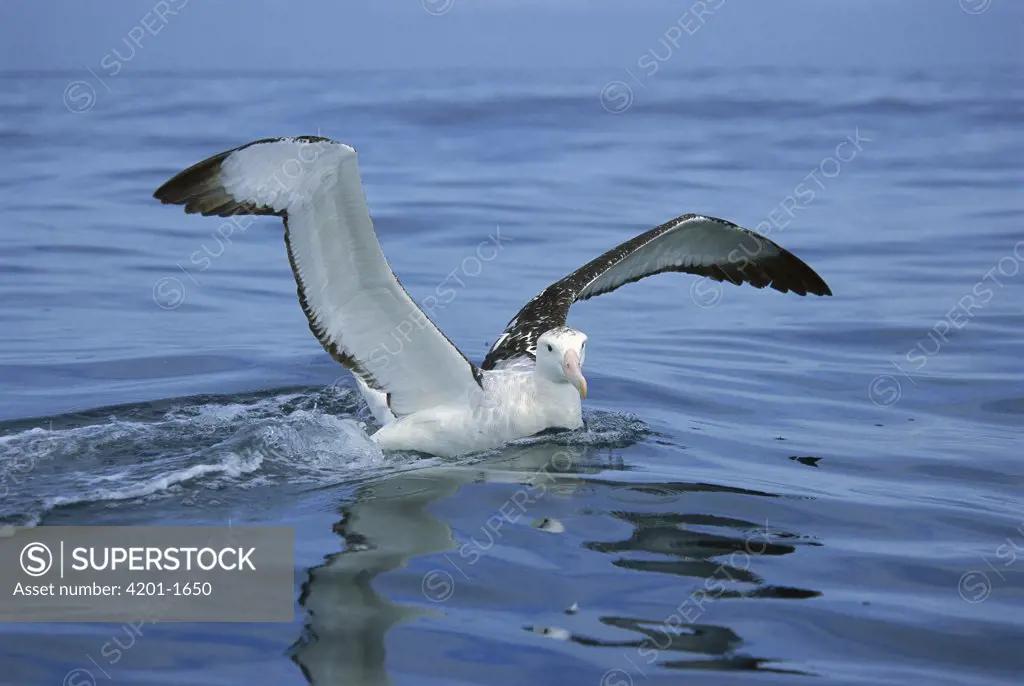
550	348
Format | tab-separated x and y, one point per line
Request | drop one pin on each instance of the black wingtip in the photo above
200	190
789	273
815	285
199	187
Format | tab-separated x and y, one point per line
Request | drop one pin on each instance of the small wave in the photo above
232	468
193	448
143	452
311	446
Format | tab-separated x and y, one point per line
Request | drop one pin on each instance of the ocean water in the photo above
770	488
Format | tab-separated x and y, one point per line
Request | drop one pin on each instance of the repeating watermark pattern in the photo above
438	7
885	390
617	96
169	291
975	6
438	585
22	454
975	586
80	96
444	294
114	649
707	292
690	610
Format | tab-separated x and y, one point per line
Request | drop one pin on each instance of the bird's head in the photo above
560	354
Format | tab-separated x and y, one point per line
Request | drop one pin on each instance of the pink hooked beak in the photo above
573	373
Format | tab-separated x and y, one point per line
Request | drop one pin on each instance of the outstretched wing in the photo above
356	307
710	247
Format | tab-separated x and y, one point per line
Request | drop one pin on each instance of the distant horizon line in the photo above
254	72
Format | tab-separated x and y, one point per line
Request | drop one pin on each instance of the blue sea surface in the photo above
769	489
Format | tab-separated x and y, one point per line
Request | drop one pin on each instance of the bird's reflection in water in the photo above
346	619
388	522
385	524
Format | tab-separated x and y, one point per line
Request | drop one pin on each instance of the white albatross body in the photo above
511	404
428	396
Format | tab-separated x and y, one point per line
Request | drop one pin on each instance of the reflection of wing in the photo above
710	247
347	620
356	307
392	528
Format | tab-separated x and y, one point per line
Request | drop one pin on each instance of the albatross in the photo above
429	397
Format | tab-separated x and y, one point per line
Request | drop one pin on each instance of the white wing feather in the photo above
355	304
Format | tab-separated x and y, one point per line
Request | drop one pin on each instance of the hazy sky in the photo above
549	34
